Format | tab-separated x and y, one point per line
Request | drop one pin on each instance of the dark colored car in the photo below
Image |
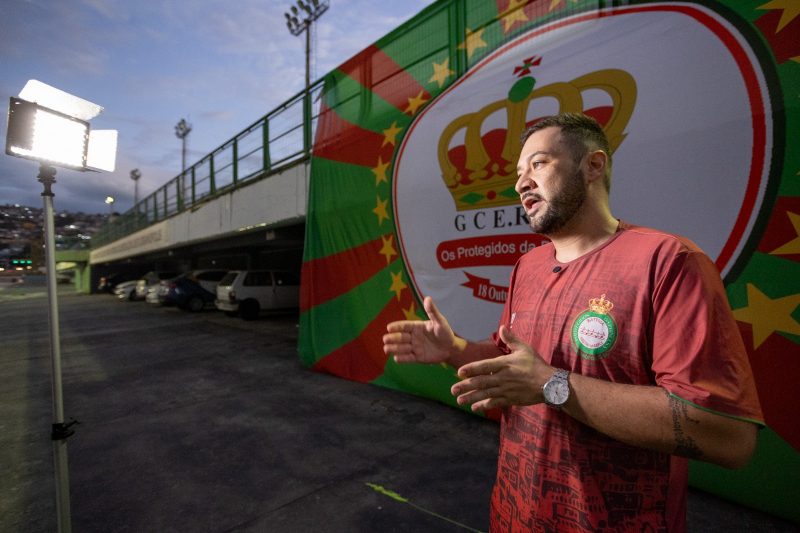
188	294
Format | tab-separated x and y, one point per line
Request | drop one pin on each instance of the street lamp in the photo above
110	203
51	126
297	24
135	175
182	130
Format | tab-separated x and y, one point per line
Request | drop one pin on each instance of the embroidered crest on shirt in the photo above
594	331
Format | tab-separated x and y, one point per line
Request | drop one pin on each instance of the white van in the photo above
248	292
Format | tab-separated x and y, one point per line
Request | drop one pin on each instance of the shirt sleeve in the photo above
698	352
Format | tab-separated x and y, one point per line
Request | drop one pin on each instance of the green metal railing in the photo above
280	139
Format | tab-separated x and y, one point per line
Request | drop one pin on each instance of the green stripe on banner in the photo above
770	273
416	48
340	320
343	94
342	198
776	466
429	381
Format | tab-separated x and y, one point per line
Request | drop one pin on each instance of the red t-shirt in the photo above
645	308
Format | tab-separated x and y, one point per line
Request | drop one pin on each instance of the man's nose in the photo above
523	184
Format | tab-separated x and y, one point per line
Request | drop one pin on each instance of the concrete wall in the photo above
268	202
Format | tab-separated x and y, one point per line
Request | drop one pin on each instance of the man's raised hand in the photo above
418	341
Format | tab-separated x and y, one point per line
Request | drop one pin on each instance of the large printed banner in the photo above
413	170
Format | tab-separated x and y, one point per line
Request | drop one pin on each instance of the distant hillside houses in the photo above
21	232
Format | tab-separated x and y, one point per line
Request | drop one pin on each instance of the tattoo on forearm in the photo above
685	446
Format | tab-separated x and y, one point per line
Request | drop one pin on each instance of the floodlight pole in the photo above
297	25
60	431
182	130
135	175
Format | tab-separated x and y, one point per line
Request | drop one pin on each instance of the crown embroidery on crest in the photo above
481	172
601	306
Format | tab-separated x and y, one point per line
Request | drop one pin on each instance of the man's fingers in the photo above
433	312
473	384
403	325
483	399
482	368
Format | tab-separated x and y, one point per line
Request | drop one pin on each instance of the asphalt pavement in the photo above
207	423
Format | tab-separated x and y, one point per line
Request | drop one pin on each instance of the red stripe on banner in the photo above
775	369
356	66
378	72
781	237
328	277
785	43
340	140
362	359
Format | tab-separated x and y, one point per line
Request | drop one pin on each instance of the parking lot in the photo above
196	422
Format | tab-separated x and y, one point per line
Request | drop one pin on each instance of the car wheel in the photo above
249	309
231	313
195	304
131	296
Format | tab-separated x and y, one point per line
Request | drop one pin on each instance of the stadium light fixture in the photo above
51	126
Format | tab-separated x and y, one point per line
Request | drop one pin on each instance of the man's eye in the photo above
536	164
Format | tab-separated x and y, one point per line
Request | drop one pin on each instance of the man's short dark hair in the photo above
581	132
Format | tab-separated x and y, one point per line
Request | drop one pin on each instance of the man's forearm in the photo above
649	417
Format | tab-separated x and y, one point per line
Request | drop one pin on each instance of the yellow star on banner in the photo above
397	284
411	312
380	171
380	210
513	14
441	71
415	103
473	42
554	4
793	246
388	248
767	315
791	8
390	134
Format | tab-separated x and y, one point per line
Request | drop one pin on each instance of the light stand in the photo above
51	127
60	430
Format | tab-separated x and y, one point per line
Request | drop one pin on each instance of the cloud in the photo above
222	65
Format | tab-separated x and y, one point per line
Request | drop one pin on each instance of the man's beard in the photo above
561	207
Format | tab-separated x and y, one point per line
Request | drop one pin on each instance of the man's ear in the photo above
596	162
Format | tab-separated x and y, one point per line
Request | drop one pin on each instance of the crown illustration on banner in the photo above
600	305
482	173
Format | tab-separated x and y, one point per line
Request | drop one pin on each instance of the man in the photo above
616	359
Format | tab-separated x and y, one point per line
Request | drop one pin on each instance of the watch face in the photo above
556	392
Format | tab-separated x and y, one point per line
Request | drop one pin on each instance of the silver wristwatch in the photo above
556	389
